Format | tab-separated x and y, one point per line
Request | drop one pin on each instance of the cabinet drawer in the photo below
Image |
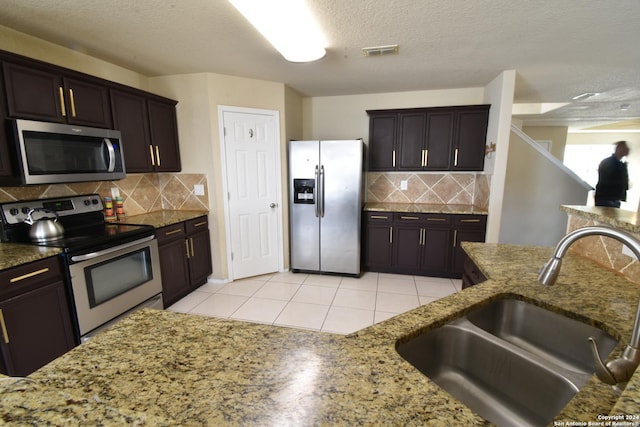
437	219
170	232
379	217
408	218
477	221
29	276
197	224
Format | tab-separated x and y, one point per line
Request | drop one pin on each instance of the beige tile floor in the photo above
317	302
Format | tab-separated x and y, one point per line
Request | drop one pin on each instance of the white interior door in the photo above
252	180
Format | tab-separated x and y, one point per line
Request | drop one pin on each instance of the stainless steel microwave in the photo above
51	153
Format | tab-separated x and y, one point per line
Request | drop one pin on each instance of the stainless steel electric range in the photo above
112	269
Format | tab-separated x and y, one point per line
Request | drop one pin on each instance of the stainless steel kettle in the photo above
44	229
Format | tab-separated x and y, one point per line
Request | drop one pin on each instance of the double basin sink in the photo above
510	361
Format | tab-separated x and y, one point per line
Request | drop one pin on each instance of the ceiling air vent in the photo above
391	49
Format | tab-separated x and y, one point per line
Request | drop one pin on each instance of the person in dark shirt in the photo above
613	178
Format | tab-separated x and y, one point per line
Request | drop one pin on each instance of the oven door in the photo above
108	283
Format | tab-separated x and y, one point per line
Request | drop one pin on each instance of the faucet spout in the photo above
618	371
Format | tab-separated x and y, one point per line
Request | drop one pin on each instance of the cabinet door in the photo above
87	103
411	140
6	165
378	252
164	136
36	329
382	142
199	258
470	139
436	250
407	247
174	269
33	94
439	140
467	228
131	118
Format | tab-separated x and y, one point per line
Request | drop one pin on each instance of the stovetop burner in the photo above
82	218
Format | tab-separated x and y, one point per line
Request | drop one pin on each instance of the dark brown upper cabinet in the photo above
40	93
36	90
424	139
149	131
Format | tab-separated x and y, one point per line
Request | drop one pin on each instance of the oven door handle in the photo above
93	255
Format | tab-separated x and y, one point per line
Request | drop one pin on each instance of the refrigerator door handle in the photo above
321	198
317	202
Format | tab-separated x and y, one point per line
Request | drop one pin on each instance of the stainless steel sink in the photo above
562	340
513	364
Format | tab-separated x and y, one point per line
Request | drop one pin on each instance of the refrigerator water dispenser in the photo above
304	191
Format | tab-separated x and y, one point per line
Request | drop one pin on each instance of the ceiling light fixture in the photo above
585	95
288	25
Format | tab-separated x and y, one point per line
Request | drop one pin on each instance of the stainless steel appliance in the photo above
325	200
112	269
49	153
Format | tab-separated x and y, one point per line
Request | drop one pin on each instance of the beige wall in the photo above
556	134
199	96
345	117
22	44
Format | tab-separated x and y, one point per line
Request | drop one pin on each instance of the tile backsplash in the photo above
429	187
603	250
141	193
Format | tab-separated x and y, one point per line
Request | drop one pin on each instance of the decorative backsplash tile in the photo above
141	193
429	187
604	250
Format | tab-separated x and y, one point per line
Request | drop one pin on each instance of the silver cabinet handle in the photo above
272	205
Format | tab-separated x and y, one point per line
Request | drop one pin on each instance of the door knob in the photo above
272	205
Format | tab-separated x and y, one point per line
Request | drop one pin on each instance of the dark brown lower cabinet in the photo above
378	240
185	257
471	275
34	317
419	243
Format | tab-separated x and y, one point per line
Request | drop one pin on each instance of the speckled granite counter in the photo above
164	368
618	218
13	254
423	208
163	218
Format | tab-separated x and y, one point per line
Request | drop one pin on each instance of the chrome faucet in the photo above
617	372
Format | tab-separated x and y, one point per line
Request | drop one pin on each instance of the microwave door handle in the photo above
112	154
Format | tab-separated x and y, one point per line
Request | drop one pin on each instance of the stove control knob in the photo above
87	202
94	201
25	210
14	211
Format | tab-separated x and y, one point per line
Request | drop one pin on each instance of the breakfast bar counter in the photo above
166	368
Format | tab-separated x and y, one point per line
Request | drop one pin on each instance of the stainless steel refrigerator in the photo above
325	205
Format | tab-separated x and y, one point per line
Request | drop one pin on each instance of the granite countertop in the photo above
166	368
618	218
165	217
424	208
15	254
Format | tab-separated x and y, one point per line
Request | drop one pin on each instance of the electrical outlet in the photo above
403	185
115	192
198	189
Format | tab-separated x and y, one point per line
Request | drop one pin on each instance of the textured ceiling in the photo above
559	49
